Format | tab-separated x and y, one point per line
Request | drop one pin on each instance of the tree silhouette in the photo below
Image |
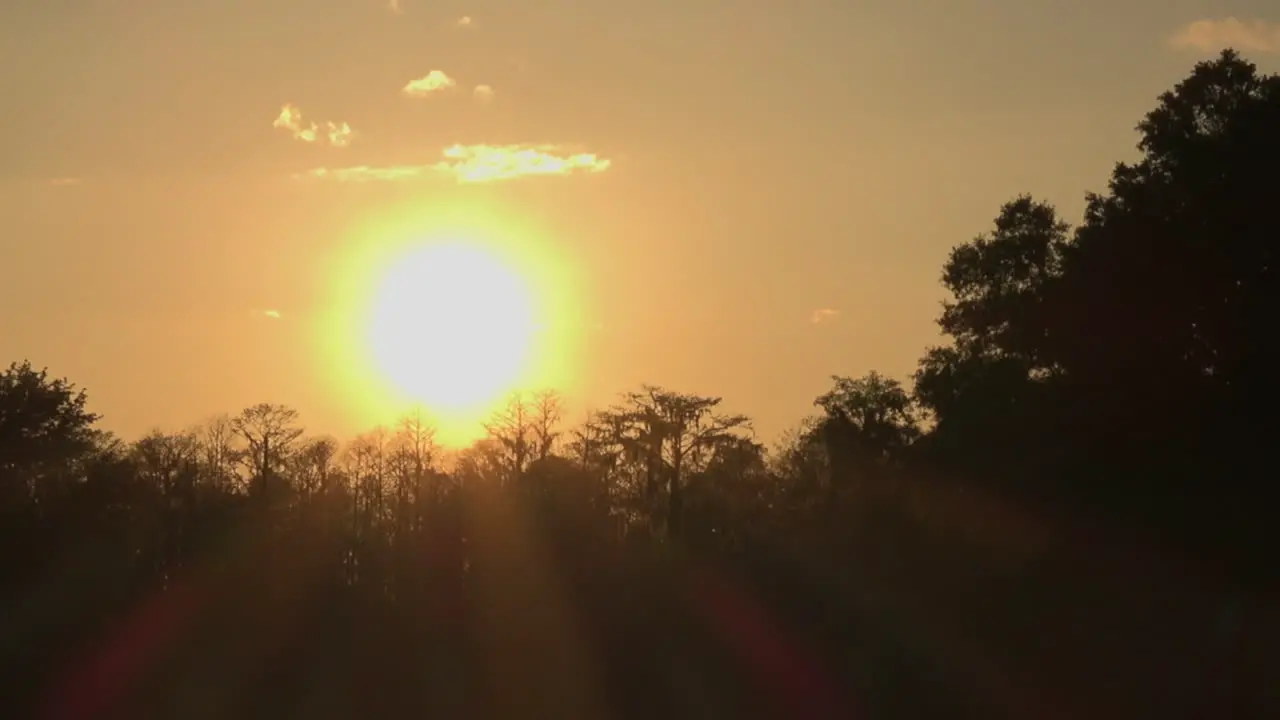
44	427
270	430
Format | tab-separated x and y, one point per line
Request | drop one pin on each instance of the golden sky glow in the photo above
729	198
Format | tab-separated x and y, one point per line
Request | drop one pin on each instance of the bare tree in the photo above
591	443
412	462
513	429
270	431
314	466
163	457
547	413
219	454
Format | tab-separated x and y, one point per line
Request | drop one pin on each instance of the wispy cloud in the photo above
290	119
1207	36
483	93
268	314
65	181
466	21
394	6
366	173
824	316
434	81
486	163
473	164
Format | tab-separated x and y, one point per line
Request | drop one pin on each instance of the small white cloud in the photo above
483	93
434	81
486	163
273	314
824	316
466	21
340	134
290	119
1210	36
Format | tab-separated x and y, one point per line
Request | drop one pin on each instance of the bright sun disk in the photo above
451	327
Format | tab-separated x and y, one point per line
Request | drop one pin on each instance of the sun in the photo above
451	326
446	306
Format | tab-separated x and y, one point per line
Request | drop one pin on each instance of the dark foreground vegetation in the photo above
1069	513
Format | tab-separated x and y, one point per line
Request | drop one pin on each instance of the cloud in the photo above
273	314
433	81
473	164
1208	36
824	316
65	181
486	163
366	173
290	118
340	134
483	93
394	6
466	22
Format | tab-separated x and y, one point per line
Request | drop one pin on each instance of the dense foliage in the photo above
1065	514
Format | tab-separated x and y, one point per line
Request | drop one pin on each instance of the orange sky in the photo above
734	198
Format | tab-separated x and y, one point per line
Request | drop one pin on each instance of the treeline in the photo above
1067	512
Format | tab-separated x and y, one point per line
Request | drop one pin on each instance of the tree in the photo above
1173	270
867	422
998	317
674	433
547	414
314	467
512	428
270	431
44	428
219	454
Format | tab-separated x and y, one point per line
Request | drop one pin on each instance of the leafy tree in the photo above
868	422
1173	272
999	282
44	429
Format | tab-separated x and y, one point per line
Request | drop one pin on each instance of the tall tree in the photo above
1173	271
513	429
548	410
985	391
674	432
270	432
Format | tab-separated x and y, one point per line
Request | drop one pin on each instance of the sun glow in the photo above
451	327
449	311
